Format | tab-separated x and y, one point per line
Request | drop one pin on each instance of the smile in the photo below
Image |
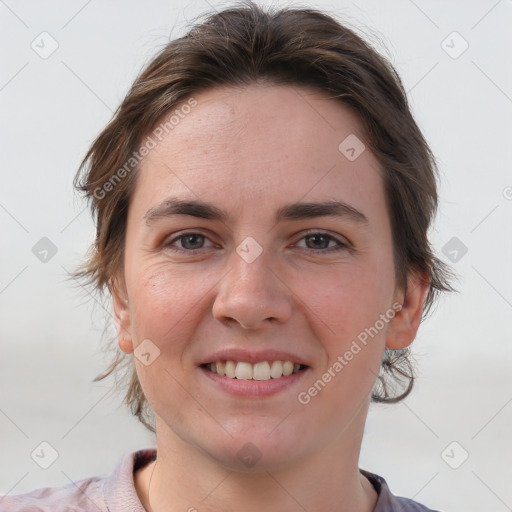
261	371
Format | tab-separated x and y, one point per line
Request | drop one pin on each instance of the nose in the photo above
252	295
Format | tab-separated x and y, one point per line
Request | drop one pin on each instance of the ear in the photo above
122	317
404	325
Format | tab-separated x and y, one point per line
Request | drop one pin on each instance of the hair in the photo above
240	46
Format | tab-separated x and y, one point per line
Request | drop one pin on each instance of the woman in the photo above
262	198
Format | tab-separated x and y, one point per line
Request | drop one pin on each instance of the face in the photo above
252	274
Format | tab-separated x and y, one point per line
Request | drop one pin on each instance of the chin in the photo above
255	450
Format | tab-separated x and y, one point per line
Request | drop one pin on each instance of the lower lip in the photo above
254	388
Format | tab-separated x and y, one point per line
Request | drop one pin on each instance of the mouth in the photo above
260	371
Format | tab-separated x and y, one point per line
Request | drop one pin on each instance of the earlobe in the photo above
122	318
125	344
404	326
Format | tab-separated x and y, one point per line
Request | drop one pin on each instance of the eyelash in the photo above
340	244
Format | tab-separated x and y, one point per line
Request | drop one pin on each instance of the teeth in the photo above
230	369
264	370
220	367
276	370
287	368
261	371
243	371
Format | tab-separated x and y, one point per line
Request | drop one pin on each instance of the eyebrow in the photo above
293	211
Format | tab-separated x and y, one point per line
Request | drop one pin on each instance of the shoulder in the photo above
85	494
388	502
101	493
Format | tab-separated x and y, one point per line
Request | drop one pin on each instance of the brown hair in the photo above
239	46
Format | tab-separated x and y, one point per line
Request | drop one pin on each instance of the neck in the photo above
183	478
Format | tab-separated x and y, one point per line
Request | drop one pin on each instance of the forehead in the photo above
261	143
263	111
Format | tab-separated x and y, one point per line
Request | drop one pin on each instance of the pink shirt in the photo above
116	493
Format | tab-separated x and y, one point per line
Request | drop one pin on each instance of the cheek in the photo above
165	301
166	305
350	304
350	300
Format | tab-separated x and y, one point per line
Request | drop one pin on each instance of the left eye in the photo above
320	240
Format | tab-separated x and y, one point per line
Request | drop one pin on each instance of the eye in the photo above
320	241
317	241
187	242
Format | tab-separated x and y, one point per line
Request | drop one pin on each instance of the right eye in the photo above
189	241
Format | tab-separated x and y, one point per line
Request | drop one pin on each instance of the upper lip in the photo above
252	356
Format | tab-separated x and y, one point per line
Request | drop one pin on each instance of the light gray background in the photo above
50	331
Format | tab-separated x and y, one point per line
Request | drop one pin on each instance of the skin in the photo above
250	151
